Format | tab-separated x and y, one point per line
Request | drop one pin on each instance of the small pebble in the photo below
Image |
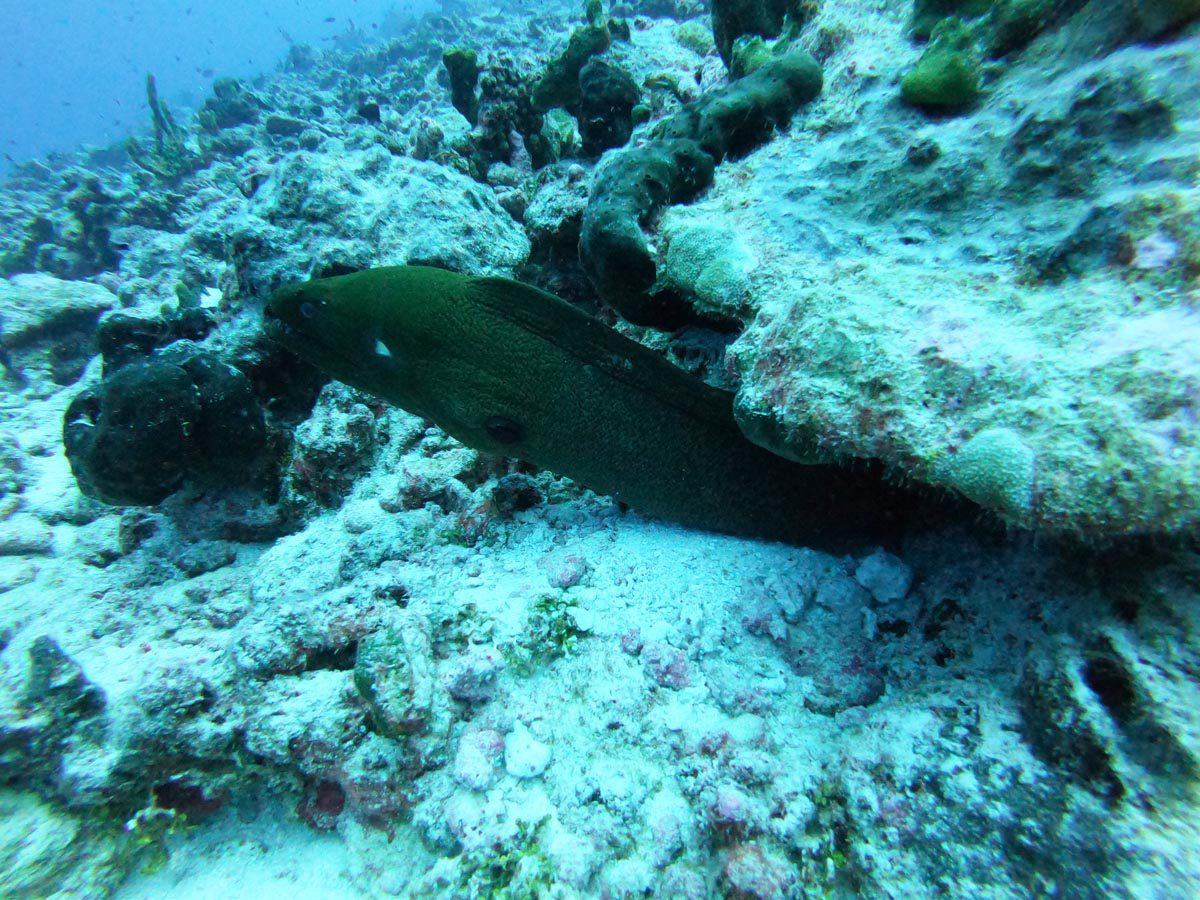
885	576
477	758
524	755
564	570
471	677
666	665
205	556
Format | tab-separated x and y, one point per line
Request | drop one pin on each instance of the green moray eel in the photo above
512	370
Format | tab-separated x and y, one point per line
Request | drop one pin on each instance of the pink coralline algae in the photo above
756	874
667	666
478	756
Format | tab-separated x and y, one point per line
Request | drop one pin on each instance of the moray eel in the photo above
512	370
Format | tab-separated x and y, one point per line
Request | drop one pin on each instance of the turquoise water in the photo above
74	72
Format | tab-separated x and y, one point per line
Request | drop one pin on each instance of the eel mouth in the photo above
273	327
315	347
295	339
284	332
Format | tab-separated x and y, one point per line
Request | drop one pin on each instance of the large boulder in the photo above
993	303
337	212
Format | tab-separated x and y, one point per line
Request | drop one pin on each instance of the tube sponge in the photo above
462	65
632	186
766	18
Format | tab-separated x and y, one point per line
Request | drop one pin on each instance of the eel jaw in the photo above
372	368
297	340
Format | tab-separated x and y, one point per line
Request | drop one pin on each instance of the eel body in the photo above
509	369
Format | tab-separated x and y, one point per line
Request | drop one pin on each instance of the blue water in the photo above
73	71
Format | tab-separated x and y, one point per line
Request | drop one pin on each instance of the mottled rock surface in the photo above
1000	303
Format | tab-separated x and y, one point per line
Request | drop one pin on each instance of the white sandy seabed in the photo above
610	705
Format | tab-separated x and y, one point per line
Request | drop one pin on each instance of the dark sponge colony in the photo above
123	338
766	18
633	185
607	96
153	424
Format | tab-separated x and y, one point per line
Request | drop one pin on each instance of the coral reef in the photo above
168	156
231	104
396	666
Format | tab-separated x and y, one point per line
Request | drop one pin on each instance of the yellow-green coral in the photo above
947	76
695	37
710	262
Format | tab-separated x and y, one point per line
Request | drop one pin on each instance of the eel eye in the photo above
307	310
504	429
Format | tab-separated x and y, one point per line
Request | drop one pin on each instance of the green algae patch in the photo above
947	76
550	633
518	870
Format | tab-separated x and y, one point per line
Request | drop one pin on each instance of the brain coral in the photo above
996	469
